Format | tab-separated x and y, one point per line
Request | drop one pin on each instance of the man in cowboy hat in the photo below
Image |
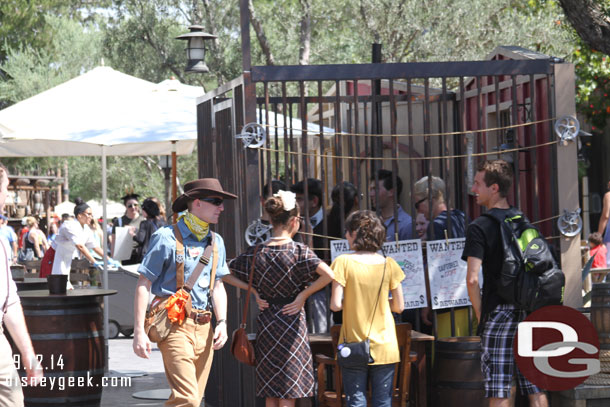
188	349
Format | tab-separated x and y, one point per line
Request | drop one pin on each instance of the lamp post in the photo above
195	50
165	162
195	53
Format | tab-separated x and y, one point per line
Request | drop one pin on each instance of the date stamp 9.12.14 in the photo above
46	362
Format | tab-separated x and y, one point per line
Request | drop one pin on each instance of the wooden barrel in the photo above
67	334
600	313
457	372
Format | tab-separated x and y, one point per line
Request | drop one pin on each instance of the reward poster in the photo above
447	273
408	255
338	247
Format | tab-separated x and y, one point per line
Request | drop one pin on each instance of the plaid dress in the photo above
284	366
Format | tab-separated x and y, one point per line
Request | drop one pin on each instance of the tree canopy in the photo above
47	42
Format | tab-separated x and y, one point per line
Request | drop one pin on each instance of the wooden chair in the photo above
32	266
402	372
18	272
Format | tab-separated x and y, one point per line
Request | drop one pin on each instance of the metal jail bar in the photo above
424	114
443	146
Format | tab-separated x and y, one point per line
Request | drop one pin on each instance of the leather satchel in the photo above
157	324
354	354
241	347
358	354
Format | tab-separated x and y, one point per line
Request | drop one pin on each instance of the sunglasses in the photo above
213	201
132	206
419	203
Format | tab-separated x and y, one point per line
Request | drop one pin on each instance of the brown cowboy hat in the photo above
200	188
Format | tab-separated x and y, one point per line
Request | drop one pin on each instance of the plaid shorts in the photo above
497	361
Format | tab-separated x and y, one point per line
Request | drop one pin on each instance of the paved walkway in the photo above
123	363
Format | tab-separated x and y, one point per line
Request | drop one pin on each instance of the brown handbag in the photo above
241	347
157	325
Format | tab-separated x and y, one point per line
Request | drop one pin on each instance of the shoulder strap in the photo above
213	272
179	258
247	300
385	263
203	261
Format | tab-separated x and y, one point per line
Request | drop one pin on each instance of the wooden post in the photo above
47	205
59	186
567	184
174	175
66	190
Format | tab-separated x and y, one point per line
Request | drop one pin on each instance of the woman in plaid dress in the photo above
284	277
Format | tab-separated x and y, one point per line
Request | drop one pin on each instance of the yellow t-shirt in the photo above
361	283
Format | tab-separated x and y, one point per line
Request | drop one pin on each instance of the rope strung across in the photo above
451	133
483	154
544	220
349	157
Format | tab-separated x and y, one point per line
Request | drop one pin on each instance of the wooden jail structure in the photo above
343	122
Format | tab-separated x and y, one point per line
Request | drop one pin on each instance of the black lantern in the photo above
195	51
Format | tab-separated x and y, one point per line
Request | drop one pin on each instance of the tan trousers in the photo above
187	357
10	387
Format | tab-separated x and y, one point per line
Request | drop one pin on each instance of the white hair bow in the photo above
289	199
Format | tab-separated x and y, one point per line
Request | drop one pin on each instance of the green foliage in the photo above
593	85
332	38
221	18
410	30
448	30
46	42
140	39
24	22
73	49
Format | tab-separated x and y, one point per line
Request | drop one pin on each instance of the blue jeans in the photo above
355	385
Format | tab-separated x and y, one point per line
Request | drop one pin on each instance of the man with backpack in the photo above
498	317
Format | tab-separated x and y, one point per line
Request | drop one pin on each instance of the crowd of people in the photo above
293	284
61	239
289	278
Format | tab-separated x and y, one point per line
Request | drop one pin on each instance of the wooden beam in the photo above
400	70
567	184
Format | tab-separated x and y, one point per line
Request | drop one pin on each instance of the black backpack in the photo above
530	277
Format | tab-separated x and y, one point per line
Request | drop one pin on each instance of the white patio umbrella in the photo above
113	209
100	113
64	207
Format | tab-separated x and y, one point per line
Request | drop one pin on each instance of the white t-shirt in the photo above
69	235
7	285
